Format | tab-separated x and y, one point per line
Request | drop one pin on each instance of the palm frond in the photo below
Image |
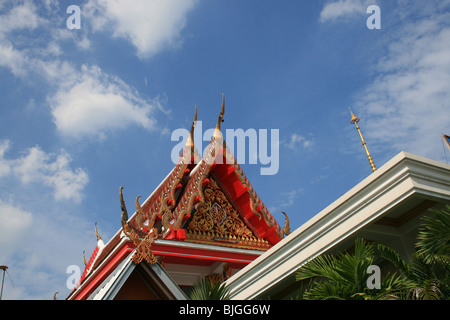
393	257
434	236
205	290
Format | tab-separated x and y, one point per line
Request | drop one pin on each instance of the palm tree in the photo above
434	250
426	277
429	269
207	289
344	276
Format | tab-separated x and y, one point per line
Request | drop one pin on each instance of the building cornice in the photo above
400	178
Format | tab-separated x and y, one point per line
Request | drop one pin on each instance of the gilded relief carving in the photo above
217	215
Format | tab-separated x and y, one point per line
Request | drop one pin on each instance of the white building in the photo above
385	207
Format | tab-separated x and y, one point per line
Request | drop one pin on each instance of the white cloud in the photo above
96	103
297	141
291	196
287	200
23	16
5	166
342	8
38	245
39	237
150	26
49	170
12	59
15	222
407	105
86	102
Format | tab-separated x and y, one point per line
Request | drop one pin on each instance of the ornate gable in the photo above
217	221
204	200
207	200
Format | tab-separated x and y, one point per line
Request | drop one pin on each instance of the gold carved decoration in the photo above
143	246
217	215
287	228
193	196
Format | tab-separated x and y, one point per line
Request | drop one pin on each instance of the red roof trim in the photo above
88	266
240	195
203	254
101	274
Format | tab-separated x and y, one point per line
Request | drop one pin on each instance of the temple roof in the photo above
203	200
209	186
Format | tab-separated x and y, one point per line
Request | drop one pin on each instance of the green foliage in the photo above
431	266
205	289
433	241
343	276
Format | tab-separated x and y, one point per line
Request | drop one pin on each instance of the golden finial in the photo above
190	141
96	232
84	259
124	215
100	243
140	217
354	120
138	206
287	228
217	133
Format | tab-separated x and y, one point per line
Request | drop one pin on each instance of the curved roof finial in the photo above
217	132
190	141
287	228
100	243
124	215
96	232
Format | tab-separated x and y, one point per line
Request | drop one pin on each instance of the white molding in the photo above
402	177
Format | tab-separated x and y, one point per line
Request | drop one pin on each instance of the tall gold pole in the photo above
355	120
3	280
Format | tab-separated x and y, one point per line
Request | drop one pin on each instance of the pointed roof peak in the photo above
217	133
190	141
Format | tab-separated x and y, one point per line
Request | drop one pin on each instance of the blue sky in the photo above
84	111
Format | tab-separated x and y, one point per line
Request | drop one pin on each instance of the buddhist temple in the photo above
203	220
206	220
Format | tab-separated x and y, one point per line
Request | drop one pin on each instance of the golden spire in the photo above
354	120
96	232
287	228
217	133
124	215
100	243
190	141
